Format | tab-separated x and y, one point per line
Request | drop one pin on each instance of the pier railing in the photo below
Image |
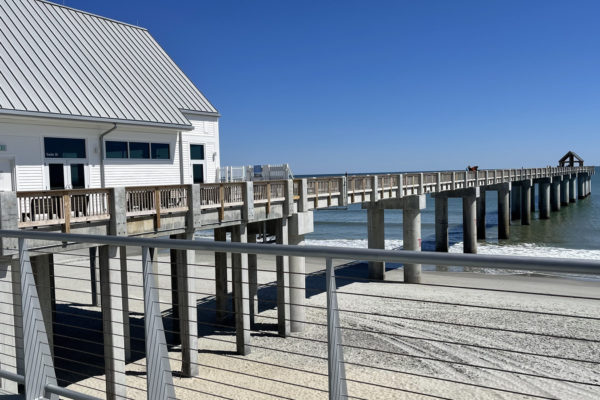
67	207
62	207
450	337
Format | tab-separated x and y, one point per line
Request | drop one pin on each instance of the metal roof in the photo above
56	61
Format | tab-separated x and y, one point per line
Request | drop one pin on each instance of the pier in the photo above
247	211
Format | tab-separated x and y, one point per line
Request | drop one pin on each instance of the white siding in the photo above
206	132
24	140
138	172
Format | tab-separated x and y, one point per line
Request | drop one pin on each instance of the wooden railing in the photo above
156	201
62	207
66	207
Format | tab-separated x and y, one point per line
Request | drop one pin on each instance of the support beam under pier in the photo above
411	207
111	293
525	202
441	224
297	287
555	193
573	188
504	211
580	186
469	198
481	215
470	224
532	197
301	223
564	191
376	240
239	272
184	276
220	235
544	198
253	281
283	282
411	234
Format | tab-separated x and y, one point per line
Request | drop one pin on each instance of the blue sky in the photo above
362	86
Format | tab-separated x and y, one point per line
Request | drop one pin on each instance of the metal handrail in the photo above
54	389
539	264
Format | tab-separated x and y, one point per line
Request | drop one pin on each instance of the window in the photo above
160	151
139	150
197	151
64	148
116	150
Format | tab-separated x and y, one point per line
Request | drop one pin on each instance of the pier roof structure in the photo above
569	160
59	62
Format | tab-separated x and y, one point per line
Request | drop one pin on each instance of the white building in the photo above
89	102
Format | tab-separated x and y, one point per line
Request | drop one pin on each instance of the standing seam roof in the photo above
58	61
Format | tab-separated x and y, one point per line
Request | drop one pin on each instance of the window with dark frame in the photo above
64	147
197	151
160	151
116	149
139	150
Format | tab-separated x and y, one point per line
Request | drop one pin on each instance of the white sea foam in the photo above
531	250
353	243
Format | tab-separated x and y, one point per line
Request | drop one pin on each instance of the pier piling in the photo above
376	240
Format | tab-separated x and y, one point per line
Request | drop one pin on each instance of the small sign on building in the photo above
2	147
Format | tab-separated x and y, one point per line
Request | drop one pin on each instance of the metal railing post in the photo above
39	366
335	354
159	380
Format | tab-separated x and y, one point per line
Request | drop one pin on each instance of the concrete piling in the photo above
253	281
376	240
503	212
239	272
469	224
297	287
525	202
283	282
411	234
572	188
564	191
220	235
441	224
555	194
532	197
544	198
481	215
111	292
185	297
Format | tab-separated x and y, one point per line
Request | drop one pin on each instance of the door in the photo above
77	176
198	170
57	176
197	159
6	175
66	176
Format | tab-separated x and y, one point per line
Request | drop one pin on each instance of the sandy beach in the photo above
391	346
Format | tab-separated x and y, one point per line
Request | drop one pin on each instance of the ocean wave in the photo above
530	250
390	244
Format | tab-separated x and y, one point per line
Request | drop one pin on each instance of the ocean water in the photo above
572	232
